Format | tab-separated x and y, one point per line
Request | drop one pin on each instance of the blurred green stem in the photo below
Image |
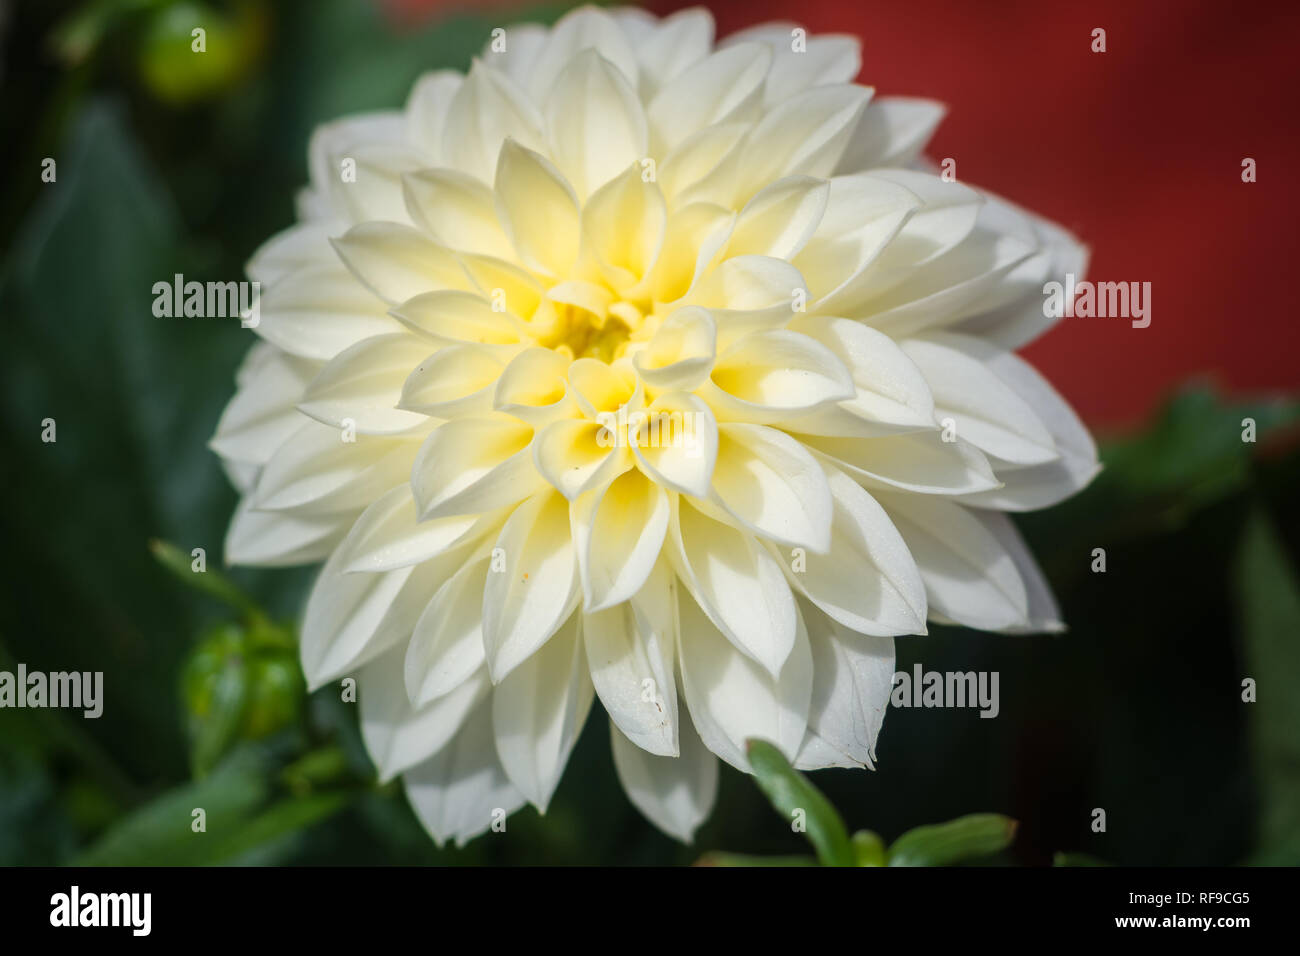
210	582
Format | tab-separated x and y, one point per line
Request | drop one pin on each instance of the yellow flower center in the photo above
586	320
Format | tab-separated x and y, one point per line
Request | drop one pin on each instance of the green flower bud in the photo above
240	683
192	51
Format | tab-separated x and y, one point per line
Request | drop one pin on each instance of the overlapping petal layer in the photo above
632	367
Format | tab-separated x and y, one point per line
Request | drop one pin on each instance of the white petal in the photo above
301	245
619	533
986	411
1015	324
454	381
508	286
827	58
398	262
725	87
986	265
586	28
852	678
667	47
738	584
946	216
1044	615
375	150
487	111
676	794
534	388
1039	486
524	42
773	486
637	25
867	581
677	443
263	413
399	736
681	353
969	576
317	472
633	675
538	208
456	209
242	474
337	140
623	224
776	375
538	712
595	125
732	699
692	172
781	218
351	618
525	604
319	311
458	317
749	292
271	539
816	754
342	618
598	387
571	455
462	790
864	215
360	388
890	388
695	235
446	647
388	535
804	135
919	461
893	131
474	465
426	110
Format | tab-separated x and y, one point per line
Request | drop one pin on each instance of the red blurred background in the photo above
1138	150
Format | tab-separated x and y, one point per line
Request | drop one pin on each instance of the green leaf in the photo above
160	833
282	819
790	793
1268	597
135	399
966	838
241	814
1195	452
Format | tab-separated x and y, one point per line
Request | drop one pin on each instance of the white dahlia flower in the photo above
634	366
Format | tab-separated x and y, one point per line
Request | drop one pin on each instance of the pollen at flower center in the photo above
583	320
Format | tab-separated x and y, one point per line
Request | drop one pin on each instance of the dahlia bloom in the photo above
634	366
